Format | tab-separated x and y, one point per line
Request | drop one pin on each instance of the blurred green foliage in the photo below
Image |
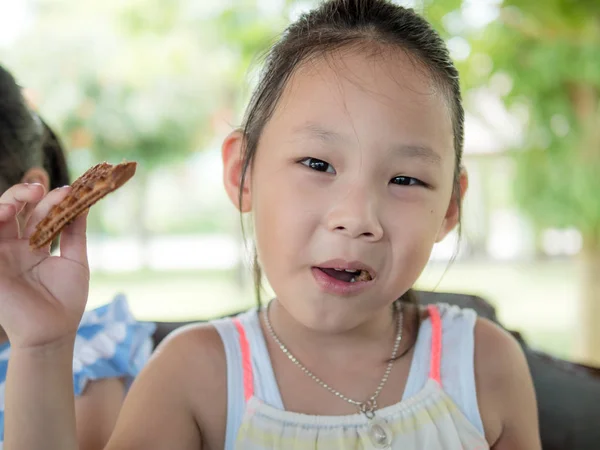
550	52
144	79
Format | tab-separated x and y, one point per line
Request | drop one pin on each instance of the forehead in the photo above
383	96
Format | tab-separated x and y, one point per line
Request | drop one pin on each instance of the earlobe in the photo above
233	162
452	216
37	175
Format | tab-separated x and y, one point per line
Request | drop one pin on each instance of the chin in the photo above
327	315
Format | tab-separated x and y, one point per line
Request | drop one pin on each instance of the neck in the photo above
371	336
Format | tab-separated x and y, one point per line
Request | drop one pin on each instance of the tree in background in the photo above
245	32
549	56
121	80
147	80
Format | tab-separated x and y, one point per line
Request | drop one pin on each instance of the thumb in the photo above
73	242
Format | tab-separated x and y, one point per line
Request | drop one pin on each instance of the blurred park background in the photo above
162	82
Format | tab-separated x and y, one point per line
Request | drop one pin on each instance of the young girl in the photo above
350	162
110	346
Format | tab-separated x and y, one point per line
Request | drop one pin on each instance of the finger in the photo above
73	242
20	194
43	208
7	212
9	228
14	200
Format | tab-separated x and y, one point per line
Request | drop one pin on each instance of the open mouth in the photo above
347	275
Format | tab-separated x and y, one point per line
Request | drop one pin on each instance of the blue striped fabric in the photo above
110	343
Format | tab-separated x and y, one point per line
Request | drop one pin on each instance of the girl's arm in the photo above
96	412
178	402
505	390
42	300
160	411
39	412
104	365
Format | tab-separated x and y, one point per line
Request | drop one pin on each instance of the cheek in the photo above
285	213
409	253
413	230
414	235
419	215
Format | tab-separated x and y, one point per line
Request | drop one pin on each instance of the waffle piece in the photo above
363	276
93	185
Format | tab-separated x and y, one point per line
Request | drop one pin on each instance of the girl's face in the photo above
353	171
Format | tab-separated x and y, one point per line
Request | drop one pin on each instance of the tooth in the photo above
339	270
350	270
353	279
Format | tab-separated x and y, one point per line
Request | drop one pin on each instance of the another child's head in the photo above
350	157
29	151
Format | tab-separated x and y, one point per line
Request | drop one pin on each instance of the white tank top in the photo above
438	409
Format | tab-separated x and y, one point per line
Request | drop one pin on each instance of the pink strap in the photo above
436	343
246	360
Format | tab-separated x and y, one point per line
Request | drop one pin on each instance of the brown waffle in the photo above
93	185
363	276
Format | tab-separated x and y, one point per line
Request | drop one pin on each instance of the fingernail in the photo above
32	185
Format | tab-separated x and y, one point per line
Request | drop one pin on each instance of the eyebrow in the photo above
427	154
314	130
422	152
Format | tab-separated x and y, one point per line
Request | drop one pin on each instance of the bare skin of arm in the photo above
42	298
96	412
505	390
39	399
179	400
180	392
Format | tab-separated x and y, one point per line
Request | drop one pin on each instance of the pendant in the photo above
379	433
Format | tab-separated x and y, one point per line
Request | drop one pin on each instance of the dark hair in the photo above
356	24
55	161
26	141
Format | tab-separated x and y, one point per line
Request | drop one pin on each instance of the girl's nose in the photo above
356	216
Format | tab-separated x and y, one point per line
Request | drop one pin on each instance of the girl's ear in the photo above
232	154
452	216
37	175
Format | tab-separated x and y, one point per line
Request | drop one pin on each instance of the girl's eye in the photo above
407	181
318	165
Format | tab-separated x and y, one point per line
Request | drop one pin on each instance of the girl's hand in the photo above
42	297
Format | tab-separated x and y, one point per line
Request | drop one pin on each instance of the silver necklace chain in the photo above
369	406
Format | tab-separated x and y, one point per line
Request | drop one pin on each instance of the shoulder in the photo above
182	389
195	346
189	371
195	356
200	348
499	359
505	390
